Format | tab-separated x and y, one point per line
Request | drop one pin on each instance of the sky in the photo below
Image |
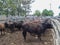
45	4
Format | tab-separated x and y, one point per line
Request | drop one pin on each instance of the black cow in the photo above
18	25
13	25
40	29
9	26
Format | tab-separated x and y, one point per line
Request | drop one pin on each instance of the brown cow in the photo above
2	28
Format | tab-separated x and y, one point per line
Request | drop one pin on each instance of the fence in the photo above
19	18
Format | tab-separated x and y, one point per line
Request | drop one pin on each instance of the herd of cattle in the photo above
36	27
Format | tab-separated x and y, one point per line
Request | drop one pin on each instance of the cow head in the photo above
47	24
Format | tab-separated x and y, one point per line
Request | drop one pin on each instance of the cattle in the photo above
18	25
36	27
2	28
12	25
9	25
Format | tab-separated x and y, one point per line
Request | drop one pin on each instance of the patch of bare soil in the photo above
16	38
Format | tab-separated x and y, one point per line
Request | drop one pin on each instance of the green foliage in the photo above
50	13
37	13
6	12
12	7
47	12
59	7
59	14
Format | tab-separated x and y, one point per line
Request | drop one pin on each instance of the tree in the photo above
59	7
6	6
9	7
1	7
13	7
50	13
47	12
26	6
37	13
59	14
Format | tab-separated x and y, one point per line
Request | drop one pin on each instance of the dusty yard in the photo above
16	38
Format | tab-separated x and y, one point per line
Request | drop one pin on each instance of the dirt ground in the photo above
16	38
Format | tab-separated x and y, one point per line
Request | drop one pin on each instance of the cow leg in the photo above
4	31
24	34
39	37
1	31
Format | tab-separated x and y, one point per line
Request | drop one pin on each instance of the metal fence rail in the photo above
3	18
